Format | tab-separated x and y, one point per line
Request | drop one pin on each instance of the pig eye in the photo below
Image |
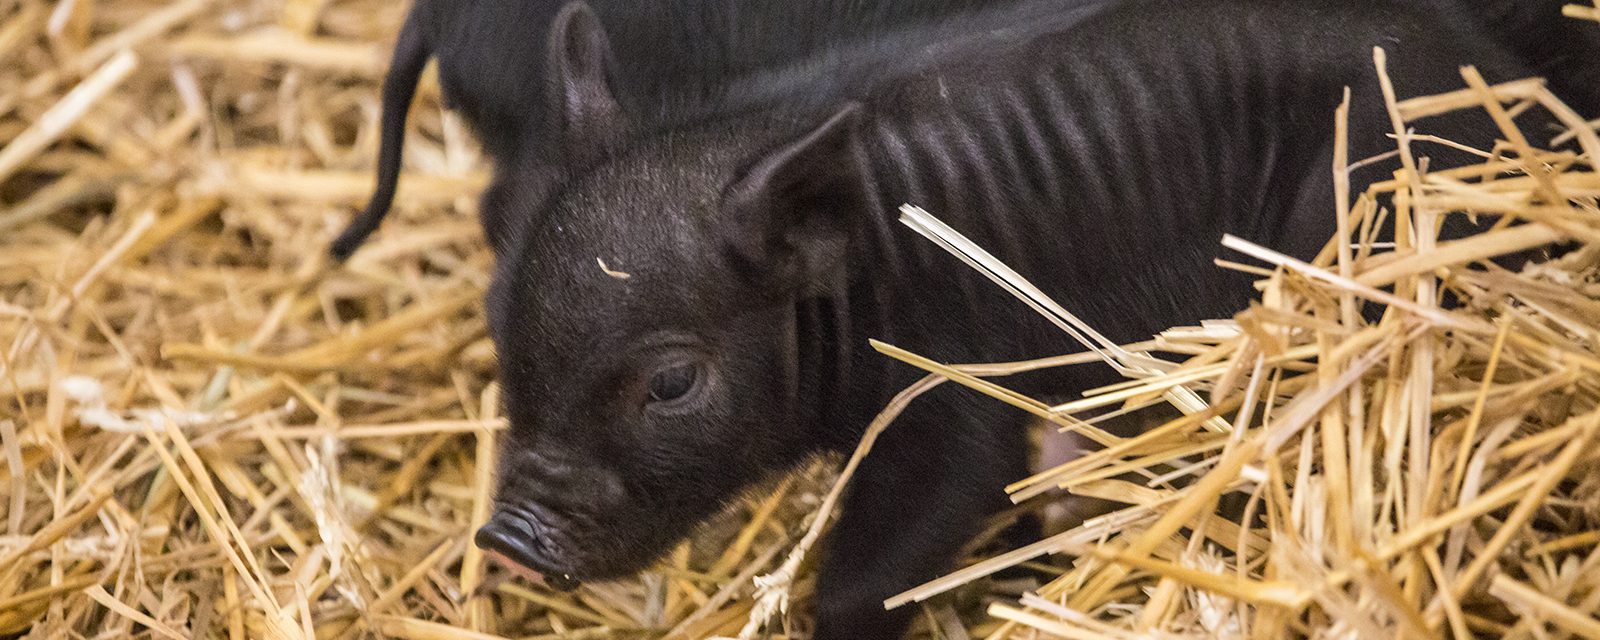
674	381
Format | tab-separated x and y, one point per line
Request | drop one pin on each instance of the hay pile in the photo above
207	431
1432	474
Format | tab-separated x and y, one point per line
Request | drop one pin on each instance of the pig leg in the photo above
918	497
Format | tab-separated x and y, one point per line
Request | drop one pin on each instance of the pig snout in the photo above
556	481
519	543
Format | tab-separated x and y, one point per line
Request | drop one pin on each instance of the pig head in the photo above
650	365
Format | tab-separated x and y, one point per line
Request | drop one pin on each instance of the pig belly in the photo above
1052	449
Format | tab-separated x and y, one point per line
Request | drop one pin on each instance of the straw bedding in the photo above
210	432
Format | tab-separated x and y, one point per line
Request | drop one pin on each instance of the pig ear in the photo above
588	116
791	211
512	200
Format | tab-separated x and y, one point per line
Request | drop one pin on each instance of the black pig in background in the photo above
1102	160
670	53
1559	49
